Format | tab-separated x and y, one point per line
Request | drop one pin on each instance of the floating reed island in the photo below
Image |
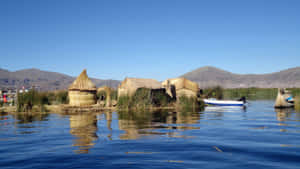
140	94
149	93
133	93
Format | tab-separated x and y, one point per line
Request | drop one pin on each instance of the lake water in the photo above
256	137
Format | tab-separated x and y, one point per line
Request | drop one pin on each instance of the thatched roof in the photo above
83	83
182	83
136	83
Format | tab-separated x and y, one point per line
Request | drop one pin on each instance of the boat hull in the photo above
223	102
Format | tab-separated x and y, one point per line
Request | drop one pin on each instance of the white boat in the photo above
214	102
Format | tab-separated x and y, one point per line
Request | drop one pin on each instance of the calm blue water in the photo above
258	137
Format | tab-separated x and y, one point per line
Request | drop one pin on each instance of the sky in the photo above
159	39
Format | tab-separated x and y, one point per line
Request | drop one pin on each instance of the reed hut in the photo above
82	91
178	87
129	86
284	99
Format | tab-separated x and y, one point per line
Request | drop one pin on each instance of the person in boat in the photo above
242	99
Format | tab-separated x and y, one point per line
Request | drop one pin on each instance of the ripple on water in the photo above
256	137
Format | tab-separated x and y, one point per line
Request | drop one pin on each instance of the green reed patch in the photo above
26	101
251	93
297	103
145	98
185	103
213	92
256	93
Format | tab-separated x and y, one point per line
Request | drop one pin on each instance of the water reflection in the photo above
223	109
108	118
24	122
284	114
141	124
86	131
28	117
4	120
84	128
217	144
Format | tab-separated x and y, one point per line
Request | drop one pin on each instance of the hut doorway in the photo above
103	95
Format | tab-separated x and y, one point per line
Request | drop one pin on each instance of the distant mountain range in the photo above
204	76
211	76
44	80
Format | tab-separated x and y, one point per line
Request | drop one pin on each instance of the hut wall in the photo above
184	87
126	91
82	98
181	83
130	85
185	92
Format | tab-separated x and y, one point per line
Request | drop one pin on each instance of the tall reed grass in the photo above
213	92
192	104
148	98
144	98
256	93
251	93
27	101
297	103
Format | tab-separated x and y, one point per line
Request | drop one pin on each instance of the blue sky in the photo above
149	38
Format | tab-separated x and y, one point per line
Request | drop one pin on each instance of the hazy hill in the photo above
44	79
205	76
211	76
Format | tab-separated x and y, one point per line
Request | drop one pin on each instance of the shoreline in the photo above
67	109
